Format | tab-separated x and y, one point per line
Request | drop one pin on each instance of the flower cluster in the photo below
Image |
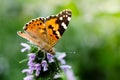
43	65
34	67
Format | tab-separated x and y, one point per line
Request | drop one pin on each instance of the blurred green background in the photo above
92	41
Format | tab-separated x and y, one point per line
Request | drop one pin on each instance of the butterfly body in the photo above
45	32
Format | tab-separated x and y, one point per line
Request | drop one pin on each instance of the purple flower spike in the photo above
31	65
50	57
28	71
65	67
31	56
44	65
26	47
29	77
60	58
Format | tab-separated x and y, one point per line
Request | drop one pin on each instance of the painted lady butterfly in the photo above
45	32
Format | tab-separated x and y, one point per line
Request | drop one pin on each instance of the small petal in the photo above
31	56
28	71
44	65
57	76
50	57
61	56
65	67
52	60
37	66
32	67
45	68
37	73
70	75
38	69
62	61
29	77
26	47
30	63
23	49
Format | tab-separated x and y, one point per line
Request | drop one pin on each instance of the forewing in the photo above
56	26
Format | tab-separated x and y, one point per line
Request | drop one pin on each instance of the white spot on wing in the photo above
66	12
64	25
61	18
57	14
63	15
48	17
58	34
69	18
66	15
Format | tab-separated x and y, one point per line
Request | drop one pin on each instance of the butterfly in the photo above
45	32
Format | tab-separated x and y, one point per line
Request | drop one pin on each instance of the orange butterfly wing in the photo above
35	32
56	25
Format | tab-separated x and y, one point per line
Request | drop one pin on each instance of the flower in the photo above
28	71
65	67
44	65
70	75
29	77
26	47
57	76
50	57
31	56
32	66
60	58
37	68
37	73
